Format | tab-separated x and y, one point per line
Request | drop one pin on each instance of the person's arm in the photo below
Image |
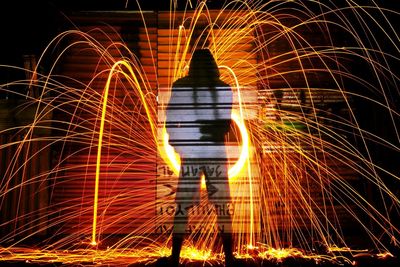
170	116
215	130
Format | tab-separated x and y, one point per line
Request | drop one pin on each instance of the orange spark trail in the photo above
300	161
101	132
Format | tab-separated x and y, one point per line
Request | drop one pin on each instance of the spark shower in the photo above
316	130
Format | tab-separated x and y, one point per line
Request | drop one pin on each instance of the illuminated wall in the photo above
128	161
132	175
244	202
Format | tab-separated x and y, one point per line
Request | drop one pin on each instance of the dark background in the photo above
27	26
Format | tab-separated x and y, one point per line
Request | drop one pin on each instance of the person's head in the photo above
203	65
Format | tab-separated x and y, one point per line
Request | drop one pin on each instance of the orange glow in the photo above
173	160
112	256
136	85
296	172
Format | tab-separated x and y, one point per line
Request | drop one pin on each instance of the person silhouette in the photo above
198	116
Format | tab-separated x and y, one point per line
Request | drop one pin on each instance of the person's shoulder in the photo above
221	83
184	81
188	81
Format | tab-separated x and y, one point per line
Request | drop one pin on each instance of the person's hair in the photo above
203	65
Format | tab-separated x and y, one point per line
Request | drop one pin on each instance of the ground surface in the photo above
360	261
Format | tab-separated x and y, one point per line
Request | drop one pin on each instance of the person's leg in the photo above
183	199
178	234
224	222
177	241
219	194
227	244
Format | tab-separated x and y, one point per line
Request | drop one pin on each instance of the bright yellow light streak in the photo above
197	15
173	159
245	153
101	131
100	143
293	144
178	45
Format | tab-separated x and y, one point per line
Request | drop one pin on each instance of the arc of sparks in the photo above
136	84
244	159
173	159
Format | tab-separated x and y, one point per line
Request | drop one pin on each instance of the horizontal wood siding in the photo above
128	160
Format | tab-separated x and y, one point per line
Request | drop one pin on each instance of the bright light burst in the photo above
301	152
